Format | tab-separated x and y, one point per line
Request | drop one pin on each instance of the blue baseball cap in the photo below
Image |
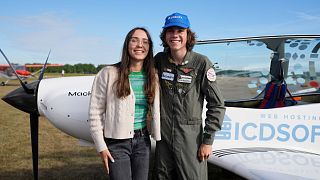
177	19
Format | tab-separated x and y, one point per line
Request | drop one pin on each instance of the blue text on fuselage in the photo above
268	132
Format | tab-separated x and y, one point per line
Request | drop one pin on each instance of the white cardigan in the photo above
112	117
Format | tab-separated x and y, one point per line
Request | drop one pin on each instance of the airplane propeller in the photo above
25	99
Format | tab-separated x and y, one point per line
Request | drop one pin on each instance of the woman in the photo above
124	109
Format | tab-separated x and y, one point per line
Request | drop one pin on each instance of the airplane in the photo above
7	73
254	143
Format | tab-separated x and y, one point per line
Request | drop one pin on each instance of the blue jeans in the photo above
131	157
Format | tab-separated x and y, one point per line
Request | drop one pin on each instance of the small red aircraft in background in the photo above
7	73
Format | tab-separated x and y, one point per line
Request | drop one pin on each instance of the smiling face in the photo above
176	38
138	45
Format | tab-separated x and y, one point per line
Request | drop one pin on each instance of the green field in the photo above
60	156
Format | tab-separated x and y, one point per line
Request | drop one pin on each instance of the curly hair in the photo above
191	39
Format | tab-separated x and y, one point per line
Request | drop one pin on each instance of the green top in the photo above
137	81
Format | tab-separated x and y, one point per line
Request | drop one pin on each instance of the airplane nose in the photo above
22	100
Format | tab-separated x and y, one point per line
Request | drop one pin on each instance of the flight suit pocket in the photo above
193	121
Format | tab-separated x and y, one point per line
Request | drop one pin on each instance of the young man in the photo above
186	79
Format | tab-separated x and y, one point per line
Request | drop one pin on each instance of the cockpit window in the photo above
304	65
243	68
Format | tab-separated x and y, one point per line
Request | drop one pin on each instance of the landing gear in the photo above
3	84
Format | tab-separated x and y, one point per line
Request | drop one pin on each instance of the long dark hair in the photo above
191	39
122	85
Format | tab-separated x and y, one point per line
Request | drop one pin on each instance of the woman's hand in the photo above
106	157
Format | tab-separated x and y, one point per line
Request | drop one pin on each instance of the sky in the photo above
92	31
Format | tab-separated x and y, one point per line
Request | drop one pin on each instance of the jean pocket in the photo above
147	141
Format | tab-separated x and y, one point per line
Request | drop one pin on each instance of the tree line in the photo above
68	68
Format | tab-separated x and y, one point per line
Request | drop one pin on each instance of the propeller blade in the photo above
34	128
25	99
44	67
29	91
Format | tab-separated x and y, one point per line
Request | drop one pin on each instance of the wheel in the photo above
3	84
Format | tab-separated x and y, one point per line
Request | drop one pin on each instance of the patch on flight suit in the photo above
184	79
186	70
211	74
167	76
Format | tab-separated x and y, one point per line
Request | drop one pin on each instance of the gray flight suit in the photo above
183	89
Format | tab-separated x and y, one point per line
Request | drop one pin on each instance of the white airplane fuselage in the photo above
67	106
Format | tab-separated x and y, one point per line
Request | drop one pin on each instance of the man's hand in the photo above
105	157
204	152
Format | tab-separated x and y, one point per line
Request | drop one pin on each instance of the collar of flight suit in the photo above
187	58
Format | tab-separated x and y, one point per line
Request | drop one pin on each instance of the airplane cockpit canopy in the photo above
244	67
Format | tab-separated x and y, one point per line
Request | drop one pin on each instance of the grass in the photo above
60	156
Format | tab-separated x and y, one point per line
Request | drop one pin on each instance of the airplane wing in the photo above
268	163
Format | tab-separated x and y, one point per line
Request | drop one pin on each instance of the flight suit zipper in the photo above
174	111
